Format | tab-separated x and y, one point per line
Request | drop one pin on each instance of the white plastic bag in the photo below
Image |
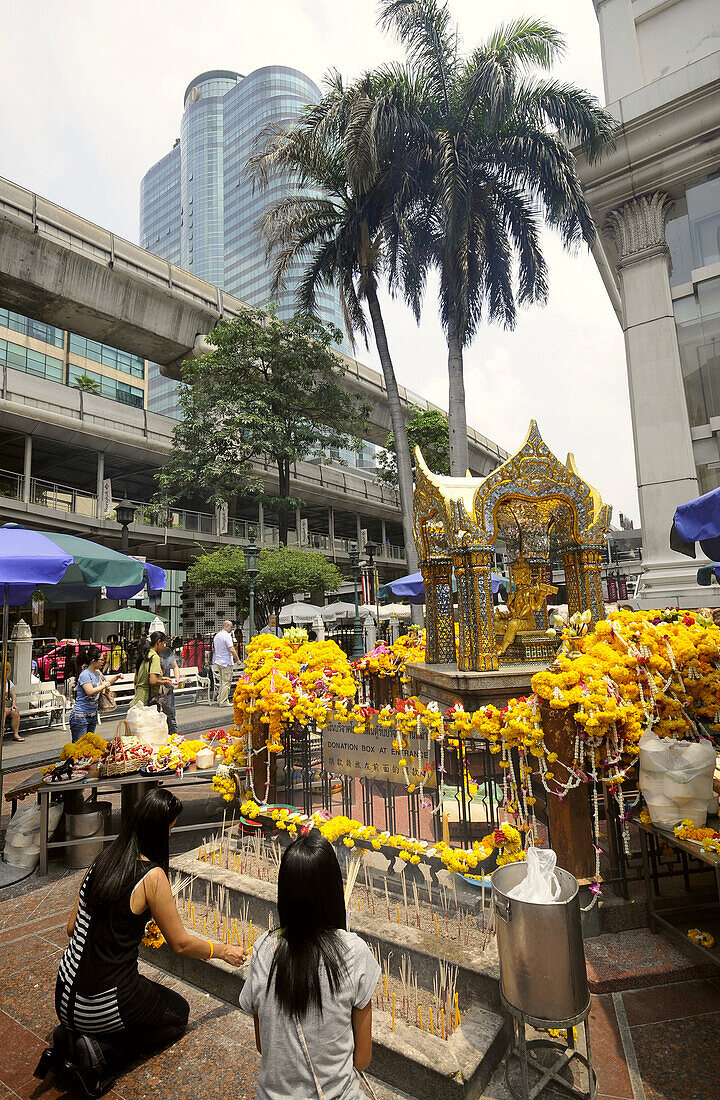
148	724
22	838
676	779
540	884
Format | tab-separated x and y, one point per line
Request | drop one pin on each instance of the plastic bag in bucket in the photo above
540	884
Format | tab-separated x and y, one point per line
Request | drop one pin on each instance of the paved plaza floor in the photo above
654	1021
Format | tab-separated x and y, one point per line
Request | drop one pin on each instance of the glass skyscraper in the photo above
197	205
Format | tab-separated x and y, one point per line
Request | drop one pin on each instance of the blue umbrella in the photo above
698	521
65	568
413	589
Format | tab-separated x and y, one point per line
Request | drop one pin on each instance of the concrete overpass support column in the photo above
358	521
665	465
27	469
261	524
383	536
99	484
331	528
298	521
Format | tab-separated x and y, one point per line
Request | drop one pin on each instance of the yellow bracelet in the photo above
212	950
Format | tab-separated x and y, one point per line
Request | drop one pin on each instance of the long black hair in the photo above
147	646
147	833
311	908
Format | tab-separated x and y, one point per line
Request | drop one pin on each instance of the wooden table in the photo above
676	920
131	787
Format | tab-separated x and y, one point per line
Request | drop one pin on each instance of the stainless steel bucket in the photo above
540	947
90	823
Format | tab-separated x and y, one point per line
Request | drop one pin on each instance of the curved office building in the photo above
197	206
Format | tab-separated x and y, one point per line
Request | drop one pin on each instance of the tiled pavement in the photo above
657	1043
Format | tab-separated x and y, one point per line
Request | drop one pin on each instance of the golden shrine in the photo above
529	500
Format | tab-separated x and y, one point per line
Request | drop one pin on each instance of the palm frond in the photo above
574	113
527	41
424	27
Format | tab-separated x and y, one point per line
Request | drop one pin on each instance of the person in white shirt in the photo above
224	655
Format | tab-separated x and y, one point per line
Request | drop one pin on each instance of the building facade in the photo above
656	202
198	206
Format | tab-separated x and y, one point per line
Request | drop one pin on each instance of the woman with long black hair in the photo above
149	678
108	1012
310	985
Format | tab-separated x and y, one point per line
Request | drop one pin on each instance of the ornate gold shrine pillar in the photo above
439	621
591	564
477	651
583	577
573	579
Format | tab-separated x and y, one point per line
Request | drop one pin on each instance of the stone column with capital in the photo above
664	459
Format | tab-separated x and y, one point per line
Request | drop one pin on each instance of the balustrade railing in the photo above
65	498
11	484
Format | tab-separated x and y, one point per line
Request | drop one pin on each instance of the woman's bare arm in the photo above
162	905
362	1030
70	927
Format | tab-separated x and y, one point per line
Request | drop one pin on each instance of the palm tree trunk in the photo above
397	421
457	415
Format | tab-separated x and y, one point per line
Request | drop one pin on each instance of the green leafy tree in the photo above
333	225
483	149
270	389
282	572
426	429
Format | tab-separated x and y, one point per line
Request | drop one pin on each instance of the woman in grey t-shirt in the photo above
310	985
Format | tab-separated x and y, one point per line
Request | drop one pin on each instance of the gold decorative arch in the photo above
530	499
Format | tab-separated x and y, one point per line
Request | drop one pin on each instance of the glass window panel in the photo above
703	203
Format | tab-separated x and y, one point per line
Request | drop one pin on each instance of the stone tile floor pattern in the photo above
670	1029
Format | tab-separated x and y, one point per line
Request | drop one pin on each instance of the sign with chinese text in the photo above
370	755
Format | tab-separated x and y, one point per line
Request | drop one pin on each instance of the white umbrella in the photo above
338	610
399	610
298	613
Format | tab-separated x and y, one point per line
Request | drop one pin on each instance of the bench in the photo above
190	684
42	701
237	671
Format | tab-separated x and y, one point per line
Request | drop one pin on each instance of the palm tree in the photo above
486	149
332	227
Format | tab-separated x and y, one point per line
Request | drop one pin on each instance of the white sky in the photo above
92	96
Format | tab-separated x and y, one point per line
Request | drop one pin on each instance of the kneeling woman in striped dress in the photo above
108	1012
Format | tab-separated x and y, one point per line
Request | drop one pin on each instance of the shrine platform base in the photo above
446	684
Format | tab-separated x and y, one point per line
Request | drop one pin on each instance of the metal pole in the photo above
358	646
251	616
5	632
124	542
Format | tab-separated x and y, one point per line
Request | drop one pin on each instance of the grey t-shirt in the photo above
285	1073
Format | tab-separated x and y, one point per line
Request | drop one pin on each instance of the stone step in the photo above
639	959
422	1065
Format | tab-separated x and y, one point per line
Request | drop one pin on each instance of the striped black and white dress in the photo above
99	990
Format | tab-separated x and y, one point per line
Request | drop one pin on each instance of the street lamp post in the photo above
358	647
252	557
125	514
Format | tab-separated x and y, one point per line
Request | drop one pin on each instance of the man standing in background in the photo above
224	655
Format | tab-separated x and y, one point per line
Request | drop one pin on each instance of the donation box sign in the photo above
370	755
